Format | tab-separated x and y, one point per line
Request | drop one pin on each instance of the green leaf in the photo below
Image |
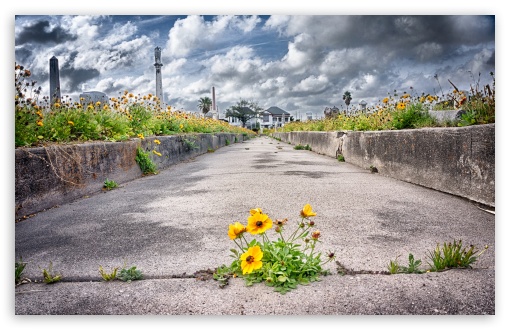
282	278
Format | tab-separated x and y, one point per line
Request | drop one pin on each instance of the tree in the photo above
347	98
204	104
244	111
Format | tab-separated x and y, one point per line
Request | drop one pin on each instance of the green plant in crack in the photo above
301	147
130	274
413	266
49	276
108	276
19	268
191	144
145	162
340	158
393	266
109	184
453	255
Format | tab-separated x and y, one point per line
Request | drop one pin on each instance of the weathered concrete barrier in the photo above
459	161
57	174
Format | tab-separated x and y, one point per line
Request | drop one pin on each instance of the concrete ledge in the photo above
49	176
458	161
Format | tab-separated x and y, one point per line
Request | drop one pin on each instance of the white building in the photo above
274	117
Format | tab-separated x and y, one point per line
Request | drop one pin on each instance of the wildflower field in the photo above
412	111
38	122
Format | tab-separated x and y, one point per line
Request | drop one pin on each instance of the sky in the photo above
300	63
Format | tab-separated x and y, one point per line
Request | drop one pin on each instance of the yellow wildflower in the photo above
40	123
156	153
251	259
385	100
307	211
258	223
140	135
157	141
70	123
255	211
401	106
235	230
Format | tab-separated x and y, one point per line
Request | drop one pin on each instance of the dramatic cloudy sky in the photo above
299	62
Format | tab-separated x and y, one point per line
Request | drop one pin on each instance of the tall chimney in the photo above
159	83
54	81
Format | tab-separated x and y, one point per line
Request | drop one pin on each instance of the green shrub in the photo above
145	162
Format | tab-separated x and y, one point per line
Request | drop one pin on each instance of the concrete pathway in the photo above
174	225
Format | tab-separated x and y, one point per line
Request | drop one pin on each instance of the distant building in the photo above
93	97
309	115
274	117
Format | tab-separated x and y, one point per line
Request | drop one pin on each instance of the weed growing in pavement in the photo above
301	147
283	263
48	275
340	158
413	267
453	255
19	268
108	276
110	184
130	274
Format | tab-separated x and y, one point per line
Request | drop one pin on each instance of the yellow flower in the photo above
39	113
40	123
254	211
258	223
401	106
251	259
140	135
181	126
307	211
385	100
157	141
156	153
70	123
57	105
405	96
235	230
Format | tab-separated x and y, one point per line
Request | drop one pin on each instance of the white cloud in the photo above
312	84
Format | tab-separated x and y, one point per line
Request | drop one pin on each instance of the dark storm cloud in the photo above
41	32
77	77
22	54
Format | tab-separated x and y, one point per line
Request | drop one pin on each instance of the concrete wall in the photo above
459	161
53	175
